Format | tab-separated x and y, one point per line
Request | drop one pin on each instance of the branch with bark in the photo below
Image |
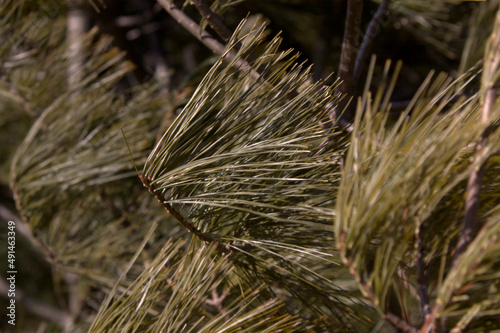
146	181
422	285
347	58
203	36
473	191
213	19
224	248
472	200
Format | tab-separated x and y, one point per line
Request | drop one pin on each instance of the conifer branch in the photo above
192	27
472	200
367	42
146	181
213	19
348	56
209	41
473	192
203	36
400	323
349	69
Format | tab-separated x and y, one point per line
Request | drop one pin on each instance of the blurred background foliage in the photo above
242	159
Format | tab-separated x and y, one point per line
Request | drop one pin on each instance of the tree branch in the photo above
207	39
219	49
472	199
348	56
400	323
367	42
213	19
146	181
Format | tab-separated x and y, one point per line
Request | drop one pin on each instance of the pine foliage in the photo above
255	216
266	196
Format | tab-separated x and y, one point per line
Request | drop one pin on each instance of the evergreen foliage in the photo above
260	210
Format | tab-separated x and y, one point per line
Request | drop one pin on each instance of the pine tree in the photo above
246	194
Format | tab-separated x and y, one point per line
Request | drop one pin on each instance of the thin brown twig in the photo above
400	323
213	19
367	42
472	199
207	39
473	193
353	60
146	181
192	27
348	57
